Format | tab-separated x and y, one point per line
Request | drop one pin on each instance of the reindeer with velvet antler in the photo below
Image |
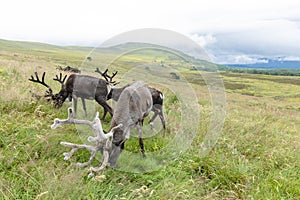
157	99
133	106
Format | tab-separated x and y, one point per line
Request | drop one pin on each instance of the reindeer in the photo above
133	106
78	86
157	99
69	69
49	96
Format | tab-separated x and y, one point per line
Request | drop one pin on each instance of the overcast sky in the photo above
231	31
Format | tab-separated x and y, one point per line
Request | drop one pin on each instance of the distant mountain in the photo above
275	63
140	52
21	46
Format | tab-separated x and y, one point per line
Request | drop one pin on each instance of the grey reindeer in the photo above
78	86
157	99
133	106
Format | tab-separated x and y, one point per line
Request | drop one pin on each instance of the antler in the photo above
102	74
49	92
103	141
60	78
107	77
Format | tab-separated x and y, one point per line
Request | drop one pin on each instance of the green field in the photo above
256	157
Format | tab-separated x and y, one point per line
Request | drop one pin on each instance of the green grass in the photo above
256	157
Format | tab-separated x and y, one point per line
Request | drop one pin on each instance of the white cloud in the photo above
242	59
93	19
203	40
231	27
268	38
289	58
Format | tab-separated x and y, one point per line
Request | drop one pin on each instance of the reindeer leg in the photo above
157	109
104	114
105	106
162	118
153	118
75	104
139	126
84	106
70	97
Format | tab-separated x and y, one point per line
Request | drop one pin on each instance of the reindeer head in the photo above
59	98
110	83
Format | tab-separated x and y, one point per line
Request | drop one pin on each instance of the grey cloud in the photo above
272	38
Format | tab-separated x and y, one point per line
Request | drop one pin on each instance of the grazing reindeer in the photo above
88	87
78	86
134	104
157	99
69	69
49	92
173	75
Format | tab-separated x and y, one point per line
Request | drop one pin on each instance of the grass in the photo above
256	157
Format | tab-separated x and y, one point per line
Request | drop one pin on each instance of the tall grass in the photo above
257	156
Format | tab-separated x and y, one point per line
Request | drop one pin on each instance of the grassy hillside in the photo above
256	157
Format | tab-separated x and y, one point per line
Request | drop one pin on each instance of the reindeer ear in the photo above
115	83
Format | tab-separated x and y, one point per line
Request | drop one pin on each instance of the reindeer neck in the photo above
109	87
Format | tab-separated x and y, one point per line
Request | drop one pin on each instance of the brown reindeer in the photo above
69	69
78	86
